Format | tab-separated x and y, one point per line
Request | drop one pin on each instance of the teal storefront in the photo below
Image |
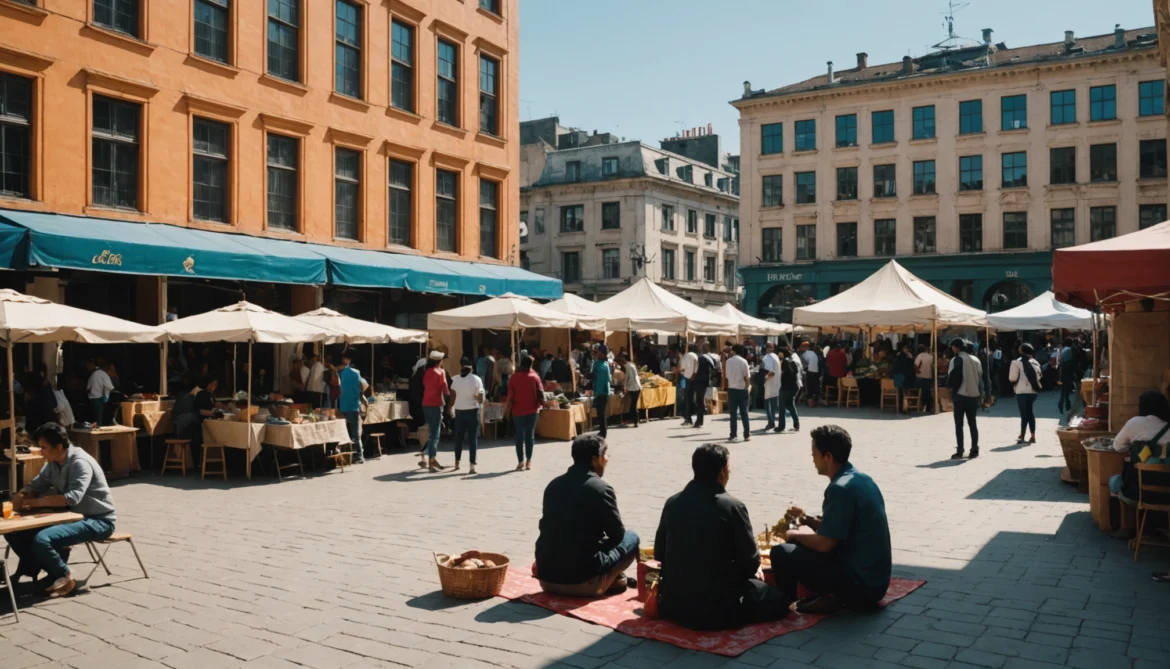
989	281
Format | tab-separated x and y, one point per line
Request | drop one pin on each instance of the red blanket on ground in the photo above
624	614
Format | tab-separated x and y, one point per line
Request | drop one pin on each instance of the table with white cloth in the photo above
386	412
301	435
233	434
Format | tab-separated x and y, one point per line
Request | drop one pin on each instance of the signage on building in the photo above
107	258
786	277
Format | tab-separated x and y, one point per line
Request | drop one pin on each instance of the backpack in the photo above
714	371
955	376
1146	451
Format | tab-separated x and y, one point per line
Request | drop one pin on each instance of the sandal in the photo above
528	465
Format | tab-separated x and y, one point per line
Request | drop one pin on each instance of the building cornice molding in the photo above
630	183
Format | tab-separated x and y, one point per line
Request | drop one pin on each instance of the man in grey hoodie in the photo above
964	378
76	481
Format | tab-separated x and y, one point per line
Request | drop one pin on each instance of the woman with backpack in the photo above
1025	374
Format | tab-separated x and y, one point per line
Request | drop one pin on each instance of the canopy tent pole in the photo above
248	422
12	463
1096	368
164	353
934	358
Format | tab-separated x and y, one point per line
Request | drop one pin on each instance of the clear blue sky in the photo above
638	68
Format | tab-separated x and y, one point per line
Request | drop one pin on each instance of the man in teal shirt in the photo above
601	386
350	403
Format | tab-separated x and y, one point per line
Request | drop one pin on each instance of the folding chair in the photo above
100	556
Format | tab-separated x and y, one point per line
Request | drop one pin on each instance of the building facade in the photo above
601	212
969	166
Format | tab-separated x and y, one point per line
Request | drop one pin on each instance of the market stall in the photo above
25	319
509	312
750	325
647	306
1042	313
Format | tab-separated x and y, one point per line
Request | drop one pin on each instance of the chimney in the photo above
747	89
1118	36
830	71
987	36
1069	39
862	60
907	65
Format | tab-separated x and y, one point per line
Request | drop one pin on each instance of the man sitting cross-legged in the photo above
846	557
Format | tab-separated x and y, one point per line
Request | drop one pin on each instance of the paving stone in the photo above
1094	659
980	658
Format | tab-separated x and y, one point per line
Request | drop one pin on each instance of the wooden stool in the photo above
890	393
832	391
913	399
176	457
377	437
341	458
221	461
100	556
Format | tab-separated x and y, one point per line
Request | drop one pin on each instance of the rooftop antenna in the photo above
952	41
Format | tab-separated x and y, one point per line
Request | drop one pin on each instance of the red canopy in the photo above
1114	271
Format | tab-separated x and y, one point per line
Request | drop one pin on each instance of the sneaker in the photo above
732	439
1032	439
687	422
61	587
769	426
957	456
796	428
1020	439
974	454
472	470
779	430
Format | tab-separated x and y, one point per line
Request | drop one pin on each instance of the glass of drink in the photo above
7	510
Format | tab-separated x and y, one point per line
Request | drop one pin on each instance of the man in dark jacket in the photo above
710	560
583	547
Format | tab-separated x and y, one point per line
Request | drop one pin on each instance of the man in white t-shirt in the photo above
771	366
812	367
924	376
688	366
737	377
467	393
313	375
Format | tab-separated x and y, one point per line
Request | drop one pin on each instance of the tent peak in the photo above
9	295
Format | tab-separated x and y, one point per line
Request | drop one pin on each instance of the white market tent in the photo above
750	325
245	322
25	319
647	306
1042	313
588	313
506	312
356	331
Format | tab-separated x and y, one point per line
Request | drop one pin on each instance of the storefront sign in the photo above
787	277
107	258
189	265
1011	274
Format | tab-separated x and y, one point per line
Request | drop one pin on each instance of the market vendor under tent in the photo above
846	557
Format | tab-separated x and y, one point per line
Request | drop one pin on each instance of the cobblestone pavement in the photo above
335	570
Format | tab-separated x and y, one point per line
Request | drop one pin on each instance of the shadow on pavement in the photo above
1029	485
943	464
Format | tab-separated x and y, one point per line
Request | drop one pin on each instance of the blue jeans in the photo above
525	436
772	405
737	399
434	418
1027	415
353	425
788	405
48	548
466	423
627	548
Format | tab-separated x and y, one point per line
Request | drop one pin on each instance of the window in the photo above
883	127
970	233
924	177
609	167
1152	163
402	205
971	117
846	240
1062	163
923	122
1150	214
573	218
119	15
446	210
735	230
773	244
348	50
284	19
885	237
539	220
709	226
1103	162
707	177
709	269
492	6
611	215
806	187
689	266
571	267
209	166
773	190
667	217
1013	112
687	173
924	234
667	264
489	92
611	264
283	182
846	183
970	173
15	135
1064	107
772	138
115	152
448	83
573	171
1102	223
402	66
1151	98
806	242
847	130
663	165
211	29
729	273
1015	169
727	229
346	192
884	181
1064	228
489	197
806	135
692	222
1015	230
1103	103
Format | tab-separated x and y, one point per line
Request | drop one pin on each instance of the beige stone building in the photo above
969	165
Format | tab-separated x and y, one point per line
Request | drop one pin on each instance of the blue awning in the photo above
105	245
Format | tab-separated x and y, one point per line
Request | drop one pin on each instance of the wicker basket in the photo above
473	583
1074	454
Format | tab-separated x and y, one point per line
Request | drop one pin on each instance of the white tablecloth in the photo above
384	412
233	434
307	434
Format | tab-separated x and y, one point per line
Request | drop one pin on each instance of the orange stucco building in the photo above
273	118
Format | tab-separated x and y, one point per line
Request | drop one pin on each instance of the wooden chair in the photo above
913	399
9	588
377	437
221	461
176	456
889	394
849	393
100	556
832	392
1143	507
